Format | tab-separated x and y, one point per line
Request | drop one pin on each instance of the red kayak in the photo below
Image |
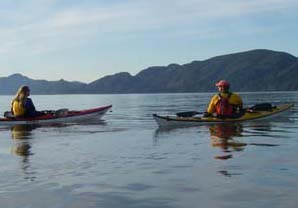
59	116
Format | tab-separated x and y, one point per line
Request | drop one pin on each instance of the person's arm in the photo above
212	104
30	108
240	102
236	100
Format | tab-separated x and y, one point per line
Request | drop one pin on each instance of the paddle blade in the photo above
8	114
187	114
262	107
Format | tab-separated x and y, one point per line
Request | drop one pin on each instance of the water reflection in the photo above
21	135
223	136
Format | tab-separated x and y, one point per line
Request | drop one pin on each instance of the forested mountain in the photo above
256	70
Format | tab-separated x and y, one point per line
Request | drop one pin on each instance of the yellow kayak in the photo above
249	115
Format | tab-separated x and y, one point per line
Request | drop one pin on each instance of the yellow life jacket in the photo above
234	99
17	109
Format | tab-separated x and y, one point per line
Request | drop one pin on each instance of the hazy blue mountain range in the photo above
256	70
10	84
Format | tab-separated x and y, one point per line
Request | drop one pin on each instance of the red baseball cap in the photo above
222	83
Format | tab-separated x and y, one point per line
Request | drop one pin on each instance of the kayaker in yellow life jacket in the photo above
225	104
21	105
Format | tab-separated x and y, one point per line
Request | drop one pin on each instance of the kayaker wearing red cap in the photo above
225	104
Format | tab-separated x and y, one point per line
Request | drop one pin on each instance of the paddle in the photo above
261	107
61	112
57	113
188	114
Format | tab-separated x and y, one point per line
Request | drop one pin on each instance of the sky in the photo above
84	40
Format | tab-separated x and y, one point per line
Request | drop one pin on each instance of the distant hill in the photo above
256	70
10	84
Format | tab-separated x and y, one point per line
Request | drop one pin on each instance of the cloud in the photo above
49	25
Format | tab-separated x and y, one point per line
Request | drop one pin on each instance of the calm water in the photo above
127	161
